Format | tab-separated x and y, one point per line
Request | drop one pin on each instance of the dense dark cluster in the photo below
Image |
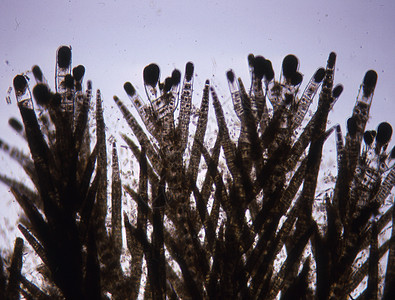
215	233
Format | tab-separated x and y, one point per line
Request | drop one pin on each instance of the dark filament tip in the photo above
384	133
38	74
41	94
352	126
368	138
15	124
64	57
296	79
176	76
319	75
392	155
269	73
260	67
189	71
369	82
151	74
251	60
20	83
336	92
231	76
331	60
168	84
78	73
290	65
129	89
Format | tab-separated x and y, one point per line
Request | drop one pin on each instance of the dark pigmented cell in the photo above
69	81
151	74
260	66
290	65
288	98
129	89
352	126
38	74
368	138
231	76
331	60
296	78
269	72
189	71
251	60
41	94
56	99
20	83
369	82
78	72
64	57
207	82
336	92
319	75
15	124
392	155
384	133
168	84
176	76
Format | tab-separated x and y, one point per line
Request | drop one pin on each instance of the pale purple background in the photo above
116	39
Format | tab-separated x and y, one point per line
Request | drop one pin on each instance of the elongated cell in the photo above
78	75
162	111
258	96
151	75
185	105
63	67
139	133
22	92
384	134
339	143
199	134
307	97
67	103
274	93
174	89
63	83
291	78
364	99
289	67
169	102
228	146
12	291
336	92
371	164
38	75
235	93
116	202
142	109
273	88
101	198
36	245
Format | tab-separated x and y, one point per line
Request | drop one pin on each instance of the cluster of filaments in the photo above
273	169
